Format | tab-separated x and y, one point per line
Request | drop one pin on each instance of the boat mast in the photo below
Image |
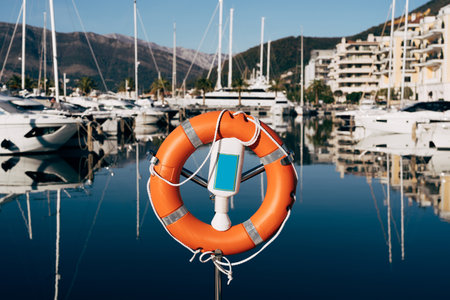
45	52
24	16
219	54
301	68
55	56
230	50
391	46
261	49
404	50
135	54
268	61
174	64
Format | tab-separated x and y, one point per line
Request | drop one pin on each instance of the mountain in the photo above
114	53
203	60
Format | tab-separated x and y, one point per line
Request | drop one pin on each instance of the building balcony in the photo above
356	61
432	62
361	80
432	34
355	71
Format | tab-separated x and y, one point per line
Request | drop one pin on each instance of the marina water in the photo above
349	236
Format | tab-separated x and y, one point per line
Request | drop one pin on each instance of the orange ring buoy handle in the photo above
172	155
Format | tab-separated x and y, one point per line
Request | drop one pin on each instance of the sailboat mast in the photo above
391	46
219	54
174	64
405	37
135	54
55	56
24	18
301	69
261	48
45	52
268	60
230	50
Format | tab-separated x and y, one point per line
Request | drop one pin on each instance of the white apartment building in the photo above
318	67
354	67
411	75
433	55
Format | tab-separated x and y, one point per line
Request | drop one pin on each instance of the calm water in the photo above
339	243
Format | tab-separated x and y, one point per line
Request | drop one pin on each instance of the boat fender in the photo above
7	144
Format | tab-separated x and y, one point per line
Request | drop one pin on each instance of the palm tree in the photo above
86	85
239	84
277	86
317	87
205	85
15	83
160	85
122	85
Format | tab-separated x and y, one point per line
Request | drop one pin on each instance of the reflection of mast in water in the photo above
30	230
301	160
402	209
138	177
389	209
58	231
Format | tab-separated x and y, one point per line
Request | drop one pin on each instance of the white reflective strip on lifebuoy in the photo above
191	134
252	232
274	156
175	216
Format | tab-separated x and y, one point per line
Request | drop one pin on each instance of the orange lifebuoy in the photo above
195	234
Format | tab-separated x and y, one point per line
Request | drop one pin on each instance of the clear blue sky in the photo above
322	18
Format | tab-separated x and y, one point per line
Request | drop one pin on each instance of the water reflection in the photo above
29	181
85	216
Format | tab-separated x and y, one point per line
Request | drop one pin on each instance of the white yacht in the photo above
24	131
122	108
406	120
257	95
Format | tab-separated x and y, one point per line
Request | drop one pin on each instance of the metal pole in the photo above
219	54
230	50
136	63
24	39
55	54
217	277
391	46
261	62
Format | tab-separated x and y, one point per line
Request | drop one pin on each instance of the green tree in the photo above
277	86
122	85
354	97
239	84
86	85
318	89
15	83
205	85
160	85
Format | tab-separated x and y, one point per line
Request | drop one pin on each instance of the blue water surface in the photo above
111	246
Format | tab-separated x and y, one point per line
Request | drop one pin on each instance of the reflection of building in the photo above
317	139
425	170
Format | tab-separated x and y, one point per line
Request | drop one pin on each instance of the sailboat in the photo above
257	95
